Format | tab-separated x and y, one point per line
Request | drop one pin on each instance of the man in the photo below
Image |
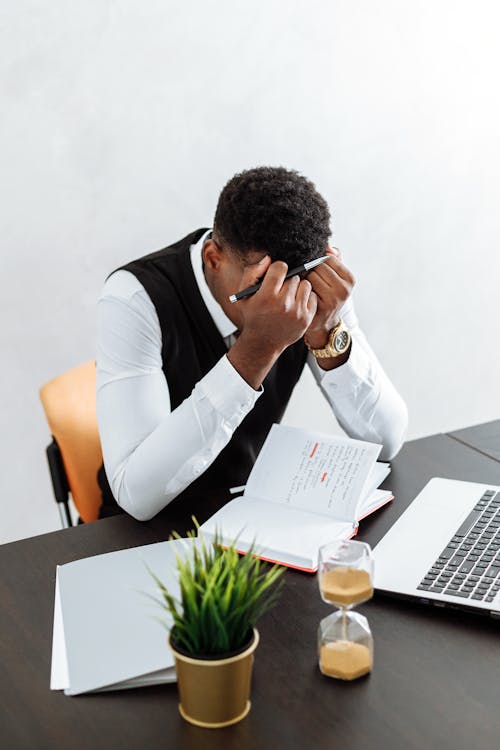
189	383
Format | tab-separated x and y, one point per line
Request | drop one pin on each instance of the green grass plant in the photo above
223	595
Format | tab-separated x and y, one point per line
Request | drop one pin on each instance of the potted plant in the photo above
213	637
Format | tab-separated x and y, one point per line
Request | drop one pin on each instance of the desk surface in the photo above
484	438
435	681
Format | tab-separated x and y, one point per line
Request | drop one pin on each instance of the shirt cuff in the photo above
346	379
227	391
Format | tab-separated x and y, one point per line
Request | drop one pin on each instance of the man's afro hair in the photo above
274	210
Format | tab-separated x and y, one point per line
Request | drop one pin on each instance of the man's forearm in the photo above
365	402
146	463
252	359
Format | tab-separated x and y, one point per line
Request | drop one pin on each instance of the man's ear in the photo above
212	255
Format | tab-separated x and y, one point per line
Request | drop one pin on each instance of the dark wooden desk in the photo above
435	683
484	438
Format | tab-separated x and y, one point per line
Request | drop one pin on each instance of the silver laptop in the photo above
445	548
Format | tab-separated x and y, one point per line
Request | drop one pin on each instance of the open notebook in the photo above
306	489
107	633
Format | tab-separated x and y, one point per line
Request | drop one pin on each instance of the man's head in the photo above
266	211
274	211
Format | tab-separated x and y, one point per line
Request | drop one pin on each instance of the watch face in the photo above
341	341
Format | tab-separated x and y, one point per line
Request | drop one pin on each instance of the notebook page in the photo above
286	535
161	677
312	471
374	479
376	500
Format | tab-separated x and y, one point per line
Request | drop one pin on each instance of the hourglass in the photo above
345	577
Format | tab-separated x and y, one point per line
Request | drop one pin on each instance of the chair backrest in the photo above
69	402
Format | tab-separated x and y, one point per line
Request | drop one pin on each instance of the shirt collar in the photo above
225	326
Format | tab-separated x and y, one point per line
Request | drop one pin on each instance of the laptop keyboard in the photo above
469	565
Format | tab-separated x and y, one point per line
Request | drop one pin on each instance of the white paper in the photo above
314	472
107	633
59	679
290	536
375	478
376	500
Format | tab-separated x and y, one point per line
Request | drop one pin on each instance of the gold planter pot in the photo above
215	692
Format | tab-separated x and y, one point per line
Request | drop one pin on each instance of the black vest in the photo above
191	346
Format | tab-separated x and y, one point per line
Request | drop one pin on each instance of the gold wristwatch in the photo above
338	342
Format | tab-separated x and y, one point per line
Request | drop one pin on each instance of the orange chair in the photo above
75	453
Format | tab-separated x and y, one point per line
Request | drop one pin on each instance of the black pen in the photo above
301	269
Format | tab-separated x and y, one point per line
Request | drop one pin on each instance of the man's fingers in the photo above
291	285
336	266
274	278
330	250
324	288
304	294
307	298
312	304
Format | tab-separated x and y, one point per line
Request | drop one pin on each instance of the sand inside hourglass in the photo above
343	585
345	660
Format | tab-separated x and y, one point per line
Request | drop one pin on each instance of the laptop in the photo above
445	548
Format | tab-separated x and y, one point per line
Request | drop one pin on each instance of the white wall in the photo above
122	120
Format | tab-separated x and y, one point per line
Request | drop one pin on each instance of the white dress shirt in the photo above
151	453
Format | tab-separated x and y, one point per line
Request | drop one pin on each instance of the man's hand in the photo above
272	319
332	282
280	312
